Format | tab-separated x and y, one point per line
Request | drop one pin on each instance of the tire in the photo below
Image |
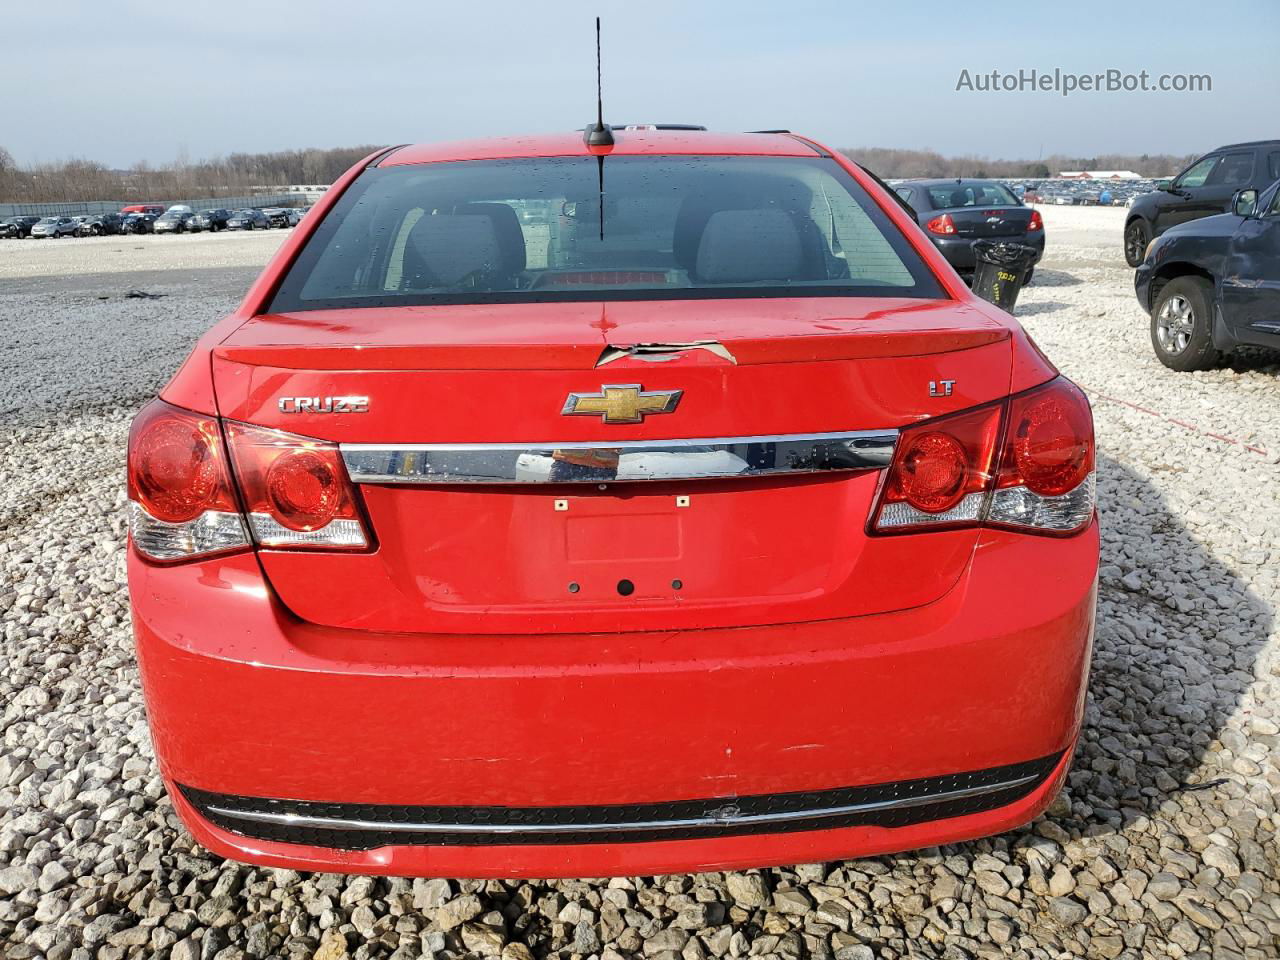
1181	325
1026	277
1137	234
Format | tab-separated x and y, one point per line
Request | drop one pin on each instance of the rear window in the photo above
971	195
586	228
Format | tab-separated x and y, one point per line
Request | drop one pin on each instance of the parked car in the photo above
154	209
390	505
172	221
211	220
139	223
1213	284
957	213
54	227
248	220
1203	189
16	228
100	224
281	216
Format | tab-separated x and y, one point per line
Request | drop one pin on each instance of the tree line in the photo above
75	180
895	164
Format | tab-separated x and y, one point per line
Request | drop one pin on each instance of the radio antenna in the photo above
599	134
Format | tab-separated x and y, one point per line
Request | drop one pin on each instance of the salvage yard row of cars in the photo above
149	218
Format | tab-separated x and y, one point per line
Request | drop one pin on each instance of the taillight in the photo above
1026	462
296	490
1046	475
1035	223
943	226
181	501
941	472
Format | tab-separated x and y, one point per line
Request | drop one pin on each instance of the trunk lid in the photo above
995	221
614	556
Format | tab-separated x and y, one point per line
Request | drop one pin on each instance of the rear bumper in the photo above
959	250
246	701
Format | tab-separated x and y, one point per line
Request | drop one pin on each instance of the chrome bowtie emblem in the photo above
621	403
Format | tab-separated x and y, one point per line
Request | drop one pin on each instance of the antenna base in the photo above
598	135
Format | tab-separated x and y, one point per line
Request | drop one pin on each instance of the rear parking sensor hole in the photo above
677	584
626	588
574	588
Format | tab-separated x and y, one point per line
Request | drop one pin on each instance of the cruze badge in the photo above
621	403
323	404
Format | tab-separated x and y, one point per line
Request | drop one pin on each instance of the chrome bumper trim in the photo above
597	462
723	817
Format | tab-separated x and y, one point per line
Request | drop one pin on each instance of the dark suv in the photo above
100	224
17	227
211	220
1203	189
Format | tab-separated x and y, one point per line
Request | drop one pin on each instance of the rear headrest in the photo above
451	247
507	227
748	245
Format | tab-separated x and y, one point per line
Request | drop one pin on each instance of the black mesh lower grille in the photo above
360	826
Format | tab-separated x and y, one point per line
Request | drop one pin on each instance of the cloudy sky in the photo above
152	80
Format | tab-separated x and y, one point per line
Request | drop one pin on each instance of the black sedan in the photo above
15	228
211	220
248	220
1212	285
956	213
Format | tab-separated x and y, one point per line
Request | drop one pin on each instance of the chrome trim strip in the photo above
711	820
597	461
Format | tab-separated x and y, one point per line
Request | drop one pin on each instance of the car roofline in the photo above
626	143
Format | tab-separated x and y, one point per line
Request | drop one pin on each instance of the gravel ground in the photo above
1163	845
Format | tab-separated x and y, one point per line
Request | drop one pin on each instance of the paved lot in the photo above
1164	844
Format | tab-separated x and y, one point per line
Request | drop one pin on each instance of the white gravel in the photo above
1164	844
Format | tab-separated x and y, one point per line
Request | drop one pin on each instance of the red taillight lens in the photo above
1035	223
304	489
182	501
296	490
943	226
931	474
1049	441
944	471
174	469
940	471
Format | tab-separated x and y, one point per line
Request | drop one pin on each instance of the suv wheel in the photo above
1180	325
1137	234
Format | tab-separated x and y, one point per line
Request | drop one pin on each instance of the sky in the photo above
128	81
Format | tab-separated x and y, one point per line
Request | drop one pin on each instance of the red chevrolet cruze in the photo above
551	509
